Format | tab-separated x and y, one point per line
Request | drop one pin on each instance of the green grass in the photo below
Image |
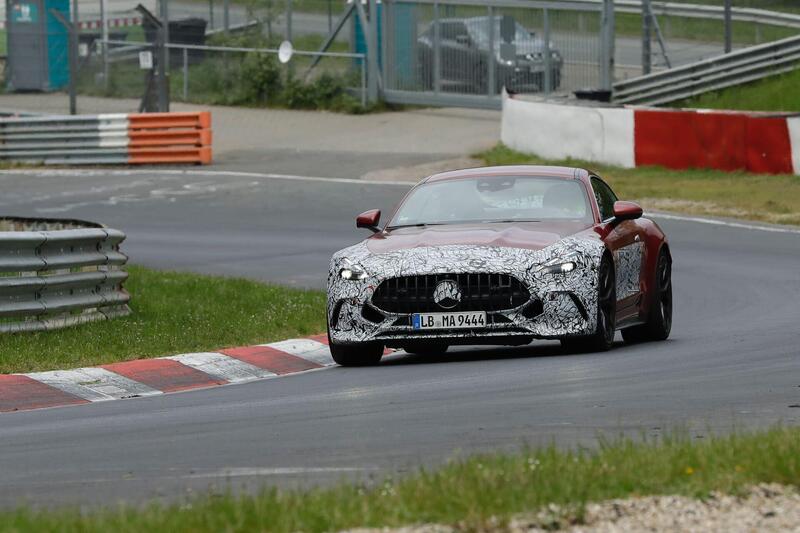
761	197
777	93
467	492
172	313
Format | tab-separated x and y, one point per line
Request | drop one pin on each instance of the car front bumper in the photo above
560	305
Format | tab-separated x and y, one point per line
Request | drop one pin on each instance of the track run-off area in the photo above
732	362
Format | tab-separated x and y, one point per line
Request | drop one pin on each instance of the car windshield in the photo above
494	199
479	30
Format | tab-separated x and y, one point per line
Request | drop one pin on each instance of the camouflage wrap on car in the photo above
569	299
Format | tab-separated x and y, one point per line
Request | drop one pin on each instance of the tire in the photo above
603	337
364	354
659	316
427	349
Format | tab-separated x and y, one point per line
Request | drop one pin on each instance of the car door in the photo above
626	241
456	54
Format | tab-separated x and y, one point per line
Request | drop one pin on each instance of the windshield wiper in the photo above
419	225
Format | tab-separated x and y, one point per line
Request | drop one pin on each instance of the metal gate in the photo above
464	52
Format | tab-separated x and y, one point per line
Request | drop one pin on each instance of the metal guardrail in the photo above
742	66
740	14
115	138
57	273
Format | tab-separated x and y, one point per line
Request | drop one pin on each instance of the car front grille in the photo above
479	292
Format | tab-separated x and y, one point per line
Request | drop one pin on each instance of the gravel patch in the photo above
763	508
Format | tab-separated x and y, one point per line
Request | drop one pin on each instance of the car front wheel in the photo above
362	354
603	338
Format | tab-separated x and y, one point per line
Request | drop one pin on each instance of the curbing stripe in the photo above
308	349
93	384
165	375
221	366
19	393
271	359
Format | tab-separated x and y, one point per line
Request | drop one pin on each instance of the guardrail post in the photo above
728	27
647	34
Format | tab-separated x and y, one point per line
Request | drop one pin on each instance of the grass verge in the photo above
172	313
760	197
470	492
777	93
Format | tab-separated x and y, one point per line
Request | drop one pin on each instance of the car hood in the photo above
529	236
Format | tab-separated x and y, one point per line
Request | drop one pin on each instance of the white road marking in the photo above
278	471
221	366
308	349
172	172
93	384
715	222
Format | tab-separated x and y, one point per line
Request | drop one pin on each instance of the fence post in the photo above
548	73
728	27
492	63
226	15
104	37
210	14
372	50
436	48
185	74
647	33
607	46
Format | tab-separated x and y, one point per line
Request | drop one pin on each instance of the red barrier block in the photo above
687	139
271	359
165	375
720	140
768	145
21	392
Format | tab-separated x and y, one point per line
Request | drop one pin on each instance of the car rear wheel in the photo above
603	338
427	349
659	318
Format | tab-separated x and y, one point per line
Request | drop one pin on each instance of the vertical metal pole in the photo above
287	35
363	82
164	15
548	72
607	46
104	36
437	56
330	16
226	15
492	62
372	51
74	40
163	87
185	74
647	33
728	27
210	14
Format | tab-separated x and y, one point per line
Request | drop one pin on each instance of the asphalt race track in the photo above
733	361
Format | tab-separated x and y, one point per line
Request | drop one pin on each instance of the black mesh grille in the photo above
479	292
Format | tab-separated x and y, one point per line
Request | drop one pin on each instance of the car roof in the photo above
566	173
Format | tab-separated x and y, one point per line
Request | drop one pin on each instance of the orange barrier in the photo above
164	138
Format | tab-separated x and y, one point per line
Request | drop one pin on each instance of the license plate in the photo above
464	320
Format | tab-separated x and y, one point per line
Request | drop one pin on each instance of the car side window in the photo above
451	30
605	198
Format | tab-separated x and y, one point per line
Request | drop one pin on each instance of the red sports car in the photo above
501	256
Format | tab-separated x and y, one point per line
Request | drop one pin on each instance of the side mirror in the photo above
369	219
627	211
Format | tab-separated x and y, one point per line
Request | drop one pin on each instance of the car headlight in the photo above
352	271
560	265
